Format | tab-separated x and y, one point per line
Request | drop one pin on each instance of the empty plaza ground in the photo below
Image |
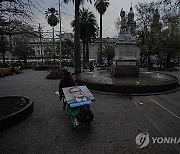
119	119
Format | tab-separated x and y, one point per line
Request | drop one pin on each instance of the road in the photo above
119	119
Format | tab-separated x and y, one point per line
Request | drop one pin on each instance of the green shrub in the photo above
41	67
27	66
56	73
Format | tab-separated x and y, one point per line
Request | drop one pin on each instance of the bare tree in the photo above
168	9
21	10
15	16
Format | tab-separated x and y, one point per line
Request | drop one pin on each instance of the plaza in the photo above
126	54
119	119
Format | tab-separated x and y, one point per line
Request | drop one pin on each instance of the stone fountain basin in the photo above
147	82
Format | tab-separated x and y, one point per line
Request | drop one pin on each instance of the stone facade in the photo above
46	42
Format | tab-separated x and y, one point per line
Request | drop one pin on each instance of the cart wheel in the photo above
73	127
74	123
64	103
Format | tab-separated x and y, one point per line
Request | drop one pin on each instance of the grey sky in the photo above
67	10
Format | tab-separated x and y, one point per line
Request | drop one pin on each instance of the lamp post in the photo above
60	33
40	38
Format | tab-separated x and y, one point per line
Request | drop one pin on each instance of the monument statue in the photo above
123	21
127	28
124	63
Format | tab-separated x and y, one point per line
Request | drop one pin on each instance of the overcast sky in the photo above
67	11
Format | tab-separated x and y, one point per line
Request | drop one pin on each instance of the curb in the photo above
125	89
17	117
53	77
134	94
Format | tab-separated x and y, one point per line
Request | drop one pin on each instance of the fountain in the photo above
146	83
124	76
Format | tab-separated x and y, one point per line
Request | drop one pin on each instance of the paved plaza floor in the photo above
119	119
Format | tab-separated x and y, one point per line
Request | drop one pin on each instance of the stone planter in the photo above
16	112
56	73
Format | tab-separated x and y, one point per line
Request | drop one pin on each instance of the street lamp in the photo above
60	33
40	36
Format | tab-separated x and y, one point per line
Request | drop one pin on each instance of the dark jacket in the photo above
66	81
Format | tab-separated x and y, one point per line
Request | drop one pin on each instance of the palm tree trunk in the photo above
100	52
84	54
4	60
53	45
87	53
149	61
168	57
77	53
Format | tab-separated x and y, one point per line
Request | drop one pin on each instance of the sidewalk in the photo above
48	130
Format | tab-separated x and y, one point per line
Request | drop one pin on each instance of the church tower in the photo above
156	26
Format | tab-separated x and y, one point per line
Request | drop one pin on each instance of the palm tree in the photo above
88	29
52	21
77	54
101	6
109	54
